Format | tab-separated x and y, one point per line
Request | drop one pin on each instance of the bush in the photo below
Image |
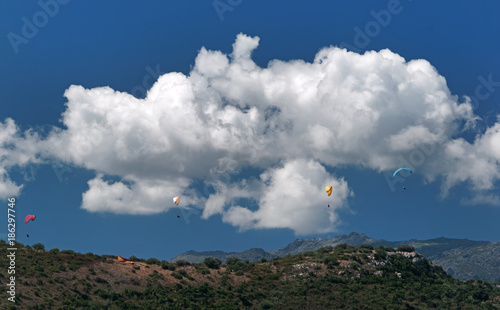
153	261
405	248
166	265
100	280
211	262
39	247
182	262
341	247
266	305
326	249
380	253
176	275
232	261
366	246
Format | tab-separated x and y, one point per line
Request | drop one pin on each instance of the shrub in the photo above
266	305
166	265
326	249
182	262
405	248
341	247
39	247
232	260
211	262
366	246
176	275
380	253
153	261
100	280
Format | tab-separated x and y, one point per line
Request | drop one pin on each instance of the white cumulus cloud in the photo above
290	119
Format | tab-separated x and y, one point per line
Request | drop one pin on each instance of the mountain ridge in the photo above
456	256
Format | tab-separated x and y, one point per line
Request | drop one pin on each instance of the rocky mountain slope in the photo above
343	277
462	258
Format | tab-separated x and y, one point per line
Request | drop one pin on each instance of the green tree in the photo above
39	246
232	261
153	261
213	263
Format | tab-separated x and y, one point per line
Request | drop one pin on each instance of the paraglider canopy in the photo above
177	200
329	190
28	218
123	259
396	172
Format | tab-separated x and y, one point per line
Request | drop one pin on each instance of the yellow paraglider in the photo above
177	200
329	190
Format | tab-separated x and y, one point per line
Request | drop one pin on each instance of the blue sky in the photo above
258	108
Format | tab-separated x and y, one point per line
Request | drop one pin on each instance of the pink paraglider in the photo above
28	218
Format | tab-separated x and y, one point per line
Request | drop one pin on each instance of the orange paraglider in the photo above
122	259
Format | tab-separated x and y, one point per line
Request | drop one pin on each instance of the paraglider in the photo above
28	218
177	200
329	190
122	259
396	172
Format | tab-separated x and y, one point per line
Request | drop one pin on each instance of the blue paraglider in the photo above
396	172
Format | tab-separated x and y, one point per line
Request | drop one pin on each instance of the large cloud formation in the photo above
290	120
